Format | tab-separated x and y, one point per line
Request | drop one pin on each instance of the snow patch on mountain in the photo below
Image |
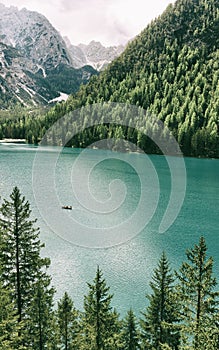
60	98
36	62
93	54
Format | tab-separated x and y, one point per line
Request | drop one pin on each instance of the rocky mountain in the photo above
34	36
16	83
35	64
93	54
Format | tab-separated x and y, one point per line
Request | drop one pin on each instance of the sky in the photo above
112	22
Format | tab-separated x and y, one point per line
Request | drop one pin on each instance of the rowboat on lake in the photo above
68	207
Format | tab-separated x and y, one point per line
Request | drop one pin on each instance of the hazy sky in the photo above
110	21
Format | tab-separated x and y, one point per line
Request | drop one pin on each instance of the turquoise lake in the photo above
128	265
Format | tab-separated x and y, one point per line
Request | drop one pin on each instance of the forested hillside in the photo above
171	70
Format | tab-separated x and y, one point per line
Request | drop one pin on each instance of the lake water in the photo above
128	264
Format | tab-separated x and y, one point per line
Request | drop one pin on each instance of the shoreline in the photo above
22	141
127	151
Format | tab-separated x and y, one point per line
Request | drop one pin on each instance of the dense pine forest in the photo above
171	70
182	311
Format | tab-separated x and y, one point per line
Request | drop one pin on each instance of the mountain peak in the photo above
94	54
34	36
35	64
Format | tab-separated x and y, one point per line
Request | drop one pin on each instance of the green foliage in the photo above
199	300
209	334
130	332
101	328
9	327
40	329
68	324
67	79
23	270
159	325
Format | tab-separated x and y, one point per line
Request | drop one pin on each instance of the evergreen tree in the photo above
199	300
41	320
68	324
209	334
9	327
130	332
101	328
23	270
159	325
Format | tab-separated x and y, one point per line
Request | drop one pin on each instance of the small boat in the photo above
68	207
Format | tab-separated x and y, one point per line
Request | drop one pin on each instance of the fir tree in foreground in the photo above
41	316
101	327
68	324
130	332
24	272
159	325
199	300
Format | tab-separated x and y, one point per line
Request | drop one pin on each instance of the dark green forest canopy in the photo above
170	70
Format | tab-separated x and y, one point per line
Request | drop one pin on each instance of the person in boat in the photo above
67	207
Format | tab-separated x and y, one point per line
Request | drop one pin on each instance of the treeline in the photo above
171	70
182	311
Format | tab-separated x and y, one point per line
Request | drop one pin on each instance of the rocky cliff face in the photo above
16	83
35	64
93	54
35	38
